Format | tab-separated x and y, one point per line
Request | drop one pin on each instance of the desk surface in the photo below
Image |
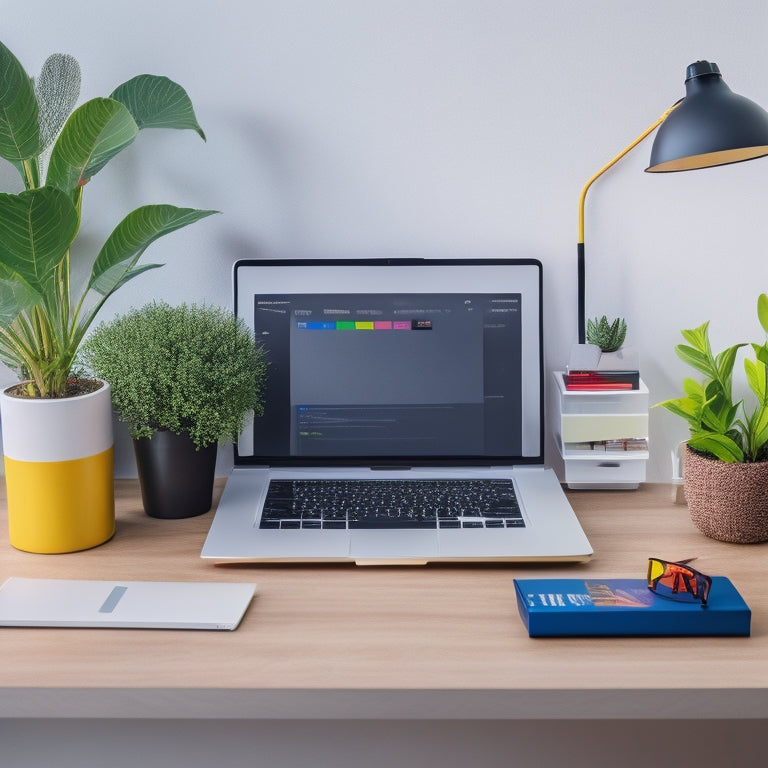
351	642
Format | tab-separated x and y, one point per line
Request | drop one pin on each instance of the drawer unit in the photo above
606	470
601	436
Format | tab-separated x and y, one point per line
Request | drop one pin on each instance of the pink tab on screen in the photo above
382	325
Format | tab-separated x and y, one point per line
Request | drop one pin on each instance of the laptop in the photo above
403	418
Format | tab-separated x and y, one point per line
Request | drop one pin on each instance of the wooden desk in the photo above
351	642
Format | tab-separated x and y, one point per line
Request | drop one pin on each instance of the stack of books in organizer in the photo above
589	369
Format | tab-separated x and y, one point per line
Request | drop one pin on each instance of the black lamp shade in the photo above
711	126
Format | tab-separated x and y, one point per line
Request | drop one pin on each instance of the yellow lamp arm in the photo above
582	199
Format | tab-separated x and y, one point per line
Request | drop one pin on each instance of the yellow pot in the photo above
59	471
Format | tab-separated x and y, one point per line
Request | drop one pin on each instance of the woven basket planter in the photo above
727	502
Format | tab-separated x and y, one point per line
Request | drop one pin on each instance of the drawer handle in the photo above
609	464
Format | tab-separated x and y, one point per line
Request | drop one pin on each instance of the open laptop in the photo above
387	376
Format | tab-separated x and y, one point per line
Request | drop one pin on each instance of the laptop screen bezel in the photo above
243	304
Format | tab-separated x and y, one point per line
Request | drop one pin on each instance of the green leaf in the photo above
761	352
756	379
759	429
115	263
717	399
698	338
719	417
719	446
724	362
696	359
731	414
686	408
95	132
19	131
694	390
157	102
762	311
36	229
15	298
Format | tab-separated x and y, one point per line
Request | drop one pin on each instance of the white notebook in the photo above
123	604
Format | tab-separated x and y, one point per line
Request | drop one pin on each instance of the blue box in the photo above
614	607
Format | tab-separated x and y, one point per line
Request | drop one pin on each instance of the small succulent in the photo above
608	336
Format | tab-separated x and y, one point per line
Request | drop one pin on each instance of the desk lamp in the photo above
710	126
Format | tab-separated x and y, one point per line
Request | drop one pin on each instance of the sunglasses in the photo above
678	581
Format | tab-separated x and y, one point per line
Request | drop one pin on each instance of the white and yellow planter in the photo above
59	470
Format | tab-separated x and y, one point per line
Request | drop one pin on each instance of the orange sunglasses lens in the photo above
677	581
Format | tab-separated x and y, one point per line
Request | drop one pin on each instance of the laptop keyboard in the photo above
342	504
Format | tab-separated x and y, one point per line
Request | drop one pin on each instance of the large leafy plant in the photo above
728	430
57	151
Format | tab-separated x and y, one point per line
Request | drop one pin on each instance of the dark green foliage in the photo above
189	368
44	315
608	336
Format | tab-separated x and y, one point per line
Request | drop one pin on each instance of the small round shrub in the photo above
190	368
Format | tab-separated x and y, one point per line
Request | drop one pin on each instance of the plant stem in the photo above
31	173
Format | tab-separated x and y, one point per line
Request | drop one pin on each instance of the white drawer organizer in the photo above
583	418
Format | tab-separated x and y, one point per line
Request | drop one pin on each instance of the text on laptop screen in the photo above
394	375
391	375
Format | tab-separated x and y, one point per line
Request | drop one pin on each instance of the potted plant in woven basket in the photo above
725	464
183	378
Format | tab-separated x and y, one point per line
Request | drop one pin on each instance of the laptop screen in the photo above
395	362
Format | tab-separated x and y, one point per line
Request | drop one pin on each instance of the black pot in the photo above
176	480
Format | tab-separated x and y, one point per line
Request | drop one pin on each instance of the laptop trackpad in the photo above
393	545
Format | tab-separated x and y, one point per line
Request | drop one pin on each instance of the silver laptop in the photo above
403	417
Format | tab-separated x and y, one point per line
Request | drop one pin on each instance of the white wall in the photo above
435	128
